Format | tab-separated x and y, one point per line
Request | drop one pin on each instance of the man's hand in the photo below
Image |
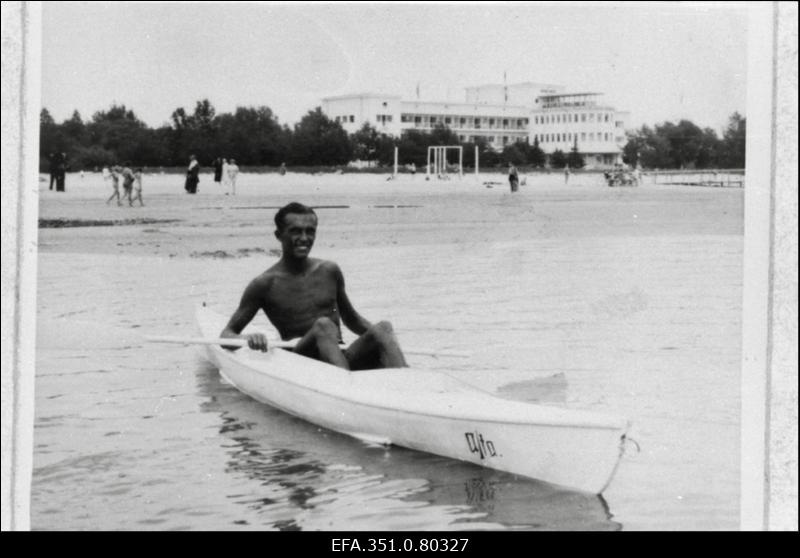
257	342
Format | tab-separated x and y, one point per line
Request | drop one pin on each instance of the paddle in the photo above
238	342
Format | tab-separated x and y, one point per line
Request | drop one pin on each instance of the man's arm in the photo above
354	321
248	307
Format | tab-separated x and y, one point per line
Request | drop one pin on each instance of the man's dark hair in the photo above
294	207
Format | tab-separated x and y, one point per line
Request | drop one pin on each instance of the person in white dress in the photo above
231	172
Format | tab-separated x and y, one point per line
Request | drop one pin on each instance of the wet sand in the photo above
618	300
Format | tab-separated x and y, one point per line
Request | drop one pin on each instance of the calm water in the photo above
130	435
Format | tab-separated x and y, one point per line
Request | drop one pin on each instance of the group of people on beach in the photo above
225	173
131	183
58	170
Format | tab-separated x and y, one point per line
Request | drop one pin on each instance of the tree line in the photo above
254	137
686	146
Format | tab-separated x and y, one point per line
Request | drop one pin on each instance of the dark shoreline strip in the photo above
71	223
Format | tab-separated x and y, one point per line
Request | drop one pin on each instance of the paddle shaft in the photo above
239	342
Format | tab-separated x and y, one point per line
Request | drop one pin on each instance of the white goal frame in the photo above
437	156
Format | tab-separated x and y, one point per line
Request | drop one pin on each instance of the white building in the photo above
503	114
561	121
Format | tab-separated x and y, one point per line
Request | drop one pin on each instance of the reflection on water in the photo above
302	477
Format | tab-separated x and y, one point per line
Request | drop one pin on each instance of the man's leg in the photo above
322	343
376	348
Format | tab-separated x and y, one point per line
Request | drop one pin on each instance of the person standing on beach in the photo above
127	183
137	187
305	298
61	172
233	172
219	164
513	177
114	174
224	182
52	159
566	174
192	175
282	169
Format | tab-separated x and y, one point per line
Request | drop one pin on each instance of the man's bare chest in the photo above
301	294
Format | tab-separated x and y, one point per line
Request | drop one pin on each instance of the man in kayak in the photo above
305	298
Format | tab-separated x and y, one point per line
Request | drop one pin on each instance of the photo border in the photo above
769	349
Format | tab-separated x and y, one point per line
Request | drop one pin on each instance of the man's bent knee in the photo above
326	327
382	330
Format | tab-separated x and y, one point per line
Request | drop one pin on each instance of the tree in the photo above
75	129
413	147
536	157
441	134
515	153
365	143
318	140
51	139
252	136
574	158
708	150
558	160
119	131
733	143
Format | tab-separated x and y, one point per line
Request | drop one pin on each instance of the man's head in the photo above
296	228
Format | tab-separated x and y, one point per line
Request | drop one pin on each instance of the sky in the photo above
658	61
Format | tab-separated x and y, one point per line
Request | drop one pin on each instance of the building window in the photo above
463	121
505	122
491	139
417	119
447	120
583	136
606	118
591	136
583	117
491	123
337	119
352	118
505	140
536	119
477	123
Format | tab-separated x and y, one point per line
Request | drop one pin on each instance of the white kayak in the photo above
428	411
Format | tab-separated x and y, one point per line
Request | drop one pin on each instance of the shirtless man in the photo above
305	298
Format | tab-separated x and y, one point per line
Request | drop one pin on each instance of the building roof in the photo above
518	84
361	96
554	95
464	104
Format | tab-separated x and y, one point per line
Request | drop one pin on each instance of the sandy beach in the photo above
620	300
